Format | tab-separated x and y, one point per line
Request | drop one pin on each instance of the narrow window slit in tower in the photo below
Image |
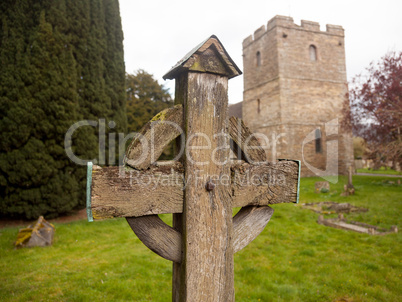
313	53
318	148
258	58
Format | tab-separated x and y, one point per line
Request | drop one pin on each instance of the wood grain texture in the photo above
122	192
177	267
157	236
165	241
264	184
154	137
246	145
180	96
212	57
208	273
202	188
218	63
159	189
159	132
248	223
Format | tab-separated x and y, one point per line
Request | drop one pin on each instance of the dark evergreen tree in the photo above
61	62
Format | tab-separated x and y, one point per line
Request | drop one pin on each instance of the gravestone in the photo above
321	186
40	233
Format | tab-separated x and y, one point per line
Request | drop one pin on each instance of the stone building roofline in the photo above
283	21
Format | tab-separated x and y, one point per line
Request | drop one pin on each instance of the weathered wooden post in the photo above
202	189
207	272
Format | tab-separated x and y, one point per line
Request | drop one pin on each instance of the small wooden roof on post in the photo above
206	272
203	188
209	56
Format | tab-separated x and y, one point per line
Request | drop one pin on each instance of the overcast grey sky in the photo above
159	33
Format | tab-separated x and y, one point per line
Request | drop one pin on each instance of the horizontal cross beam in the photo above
126	192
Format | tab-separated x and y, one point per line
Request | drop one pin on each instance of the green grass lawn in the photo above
382	170
293	259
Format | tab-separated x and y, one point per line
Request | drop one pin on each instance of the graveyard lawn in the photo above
382	170
294	258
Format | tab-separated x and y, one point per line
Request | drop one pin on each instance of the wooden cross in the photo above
200	189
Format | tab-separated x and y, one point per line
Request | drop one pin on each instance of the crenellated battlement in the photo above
294	84
283	21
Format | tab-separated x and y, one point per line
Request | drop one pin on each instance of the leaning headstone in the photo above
38	234
322	187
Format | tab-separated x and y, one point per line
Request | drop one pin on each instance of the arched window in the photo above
313	53
258	106
258	56
318	148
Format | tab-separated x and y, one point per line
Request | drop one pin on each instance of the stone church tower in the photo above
294	88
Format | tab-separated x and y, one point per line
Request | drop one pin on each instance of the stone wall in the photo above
299	86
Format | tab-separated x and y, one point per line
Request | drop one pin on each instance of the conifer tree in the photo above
61	62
